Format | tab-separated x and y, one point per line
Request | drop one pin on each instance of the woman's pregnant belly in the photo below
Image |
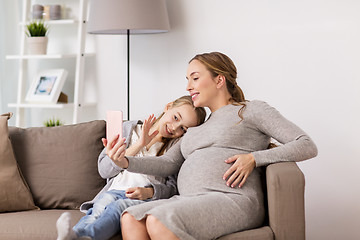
203	171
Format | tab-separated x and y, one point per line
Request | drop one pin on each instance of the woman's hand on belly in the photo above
243	165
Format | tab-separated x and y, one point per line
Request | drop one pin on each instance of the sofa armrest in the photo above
285	188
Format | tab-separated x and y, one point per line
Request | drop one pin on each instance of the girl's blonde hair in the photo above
200	115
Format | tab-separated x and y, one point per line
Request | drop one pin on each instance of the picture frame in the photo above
46	86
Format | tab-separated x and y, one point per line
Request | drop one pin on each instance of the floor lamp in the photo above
128	17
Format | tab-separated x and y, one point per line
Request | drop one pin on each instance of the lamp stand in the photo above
128	74
121	16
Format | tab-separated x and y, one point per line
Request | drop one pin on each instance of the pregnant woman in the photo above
218	162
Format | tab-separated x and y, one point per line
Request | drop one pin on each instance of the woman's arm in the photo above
165	190
154	191
296	145
163	166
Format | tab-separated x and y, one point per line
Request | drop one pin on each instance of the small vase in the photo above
37	45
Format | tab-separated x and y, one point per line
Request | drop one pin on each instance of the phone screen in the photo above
114	120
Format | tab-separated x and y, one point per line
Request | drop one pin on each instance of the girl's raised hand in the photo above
145	138
115	149
237	174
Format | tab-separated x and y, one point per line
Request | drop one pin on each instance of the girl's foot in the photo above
64	229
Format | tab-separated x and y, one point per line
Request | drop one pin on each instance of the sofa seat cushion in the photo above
263	233
60	163
33	225
41	225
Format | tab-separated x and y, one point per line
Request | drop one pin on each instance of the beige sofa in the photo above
59	166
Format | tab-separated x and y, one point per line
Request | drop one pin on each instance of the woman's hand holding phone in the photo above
115	149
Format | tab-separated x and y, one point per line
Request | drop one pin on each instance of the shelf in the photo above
47	56
41	105
48	105
77	55
55	22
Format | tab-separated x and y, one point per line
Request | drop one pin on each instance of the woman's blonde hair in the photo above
219	64
200	115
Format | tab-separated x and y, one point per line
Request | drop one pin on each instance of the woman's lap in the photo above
203	216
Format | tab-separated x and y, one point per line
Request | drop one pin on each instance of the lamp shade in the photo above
119	16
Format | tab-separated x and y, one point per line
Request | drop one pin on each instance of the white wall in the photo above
302	57
8	43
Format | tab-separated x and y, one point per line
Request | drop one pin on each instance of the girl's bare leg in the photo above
157	230
133	229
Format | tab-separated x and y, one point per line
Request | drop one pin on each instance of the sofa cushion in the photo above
35	225
20	225
14	192
262	233
60	163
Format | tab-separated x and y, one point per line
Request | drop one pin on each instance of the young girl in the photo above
125	189
219	183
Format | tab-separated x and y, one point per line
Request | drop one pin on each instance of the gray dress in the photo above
206	208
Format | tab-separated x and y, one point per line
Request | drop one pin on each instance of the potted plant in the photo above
53	123
37	39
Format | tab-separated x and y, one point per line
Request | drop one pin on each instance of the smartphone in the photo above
114	121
